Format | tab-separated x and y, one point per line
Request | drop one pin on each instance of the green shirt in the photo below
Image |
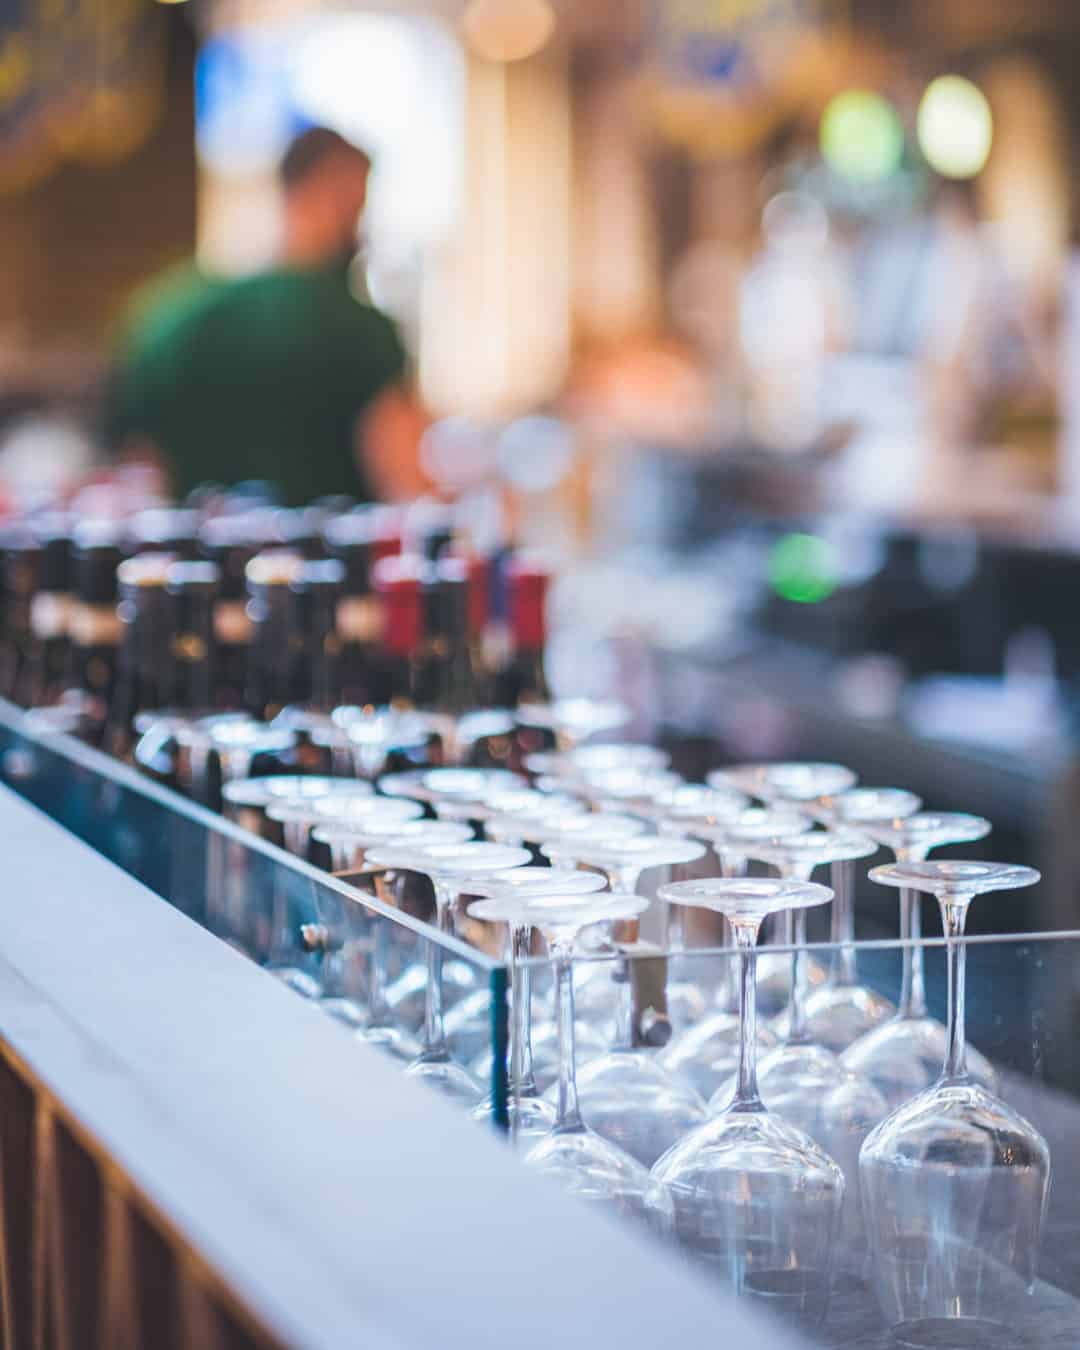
262	377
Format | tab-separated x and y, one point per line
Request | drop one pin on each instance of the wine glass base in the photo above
956	1333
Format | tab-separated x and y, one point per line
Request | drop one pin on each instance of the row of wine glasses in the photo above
864	1119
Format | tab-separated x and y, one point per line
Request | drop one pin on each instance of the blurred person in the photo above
285	375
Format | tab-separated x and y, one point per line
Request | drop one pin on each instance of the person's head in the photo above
324	181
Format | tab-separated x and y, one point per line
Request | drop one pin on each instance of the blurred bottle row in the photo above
277	614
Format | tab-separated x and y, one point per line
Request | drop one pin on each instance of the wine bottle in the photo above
359	613
22	576
230	542
50	609
194	589
397	581
446	671
276	636
95	626
144	664
527	588
320	670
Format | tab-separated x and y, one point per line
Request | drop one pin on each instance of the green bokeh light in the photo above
862	138
802	569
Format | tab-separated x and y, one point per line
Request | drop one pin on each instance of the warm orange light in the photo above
508	30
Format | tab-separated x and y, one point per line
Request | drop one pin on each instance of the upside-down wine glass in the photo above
755	1200
435	785
682	811
905	1054
445	864
348	841
593	991
587	1164
792	784
530	1116
573	720
707	1053
373	734
955	1181
298	815
842	1009
799	1079
627	1095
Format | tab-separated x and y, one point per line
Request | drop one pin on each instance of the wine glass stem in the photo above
624	1005
796	936
625	878
380	940
434	1028
568	1115
842	923
912	986
953	917
235	764
296	833
746	1088
521	1056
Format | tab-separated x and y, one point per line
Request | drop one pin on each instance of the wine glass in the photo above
789	782
297	815
633	790
573	720
626	1094
587	1164
461	735
237	740
435	785
800	1080
445	864
904	1055
706	1054
681	811
529	1114
621	857
373	734
842	1010
348	841
754	1199
955	1181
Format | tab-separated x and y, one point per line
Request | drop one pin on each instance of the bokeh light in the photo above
802	568
508	30
955	127
862	138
